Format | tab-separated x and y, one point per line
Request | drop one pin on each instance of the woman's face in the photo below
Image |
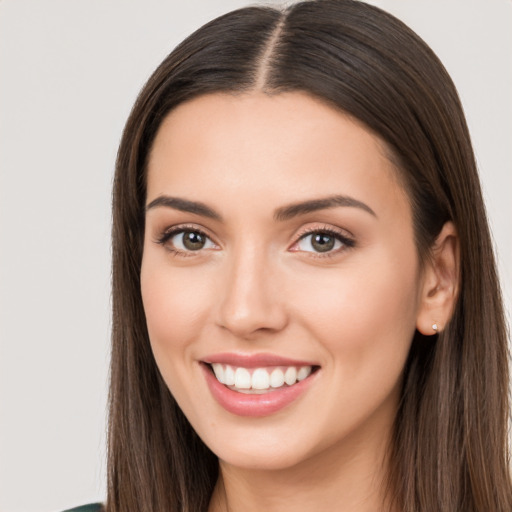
278	250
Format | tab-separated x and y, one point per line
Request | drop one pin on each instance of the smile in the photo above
259	380
257	385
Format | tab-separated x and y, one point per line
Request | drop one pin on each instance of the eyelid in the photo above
346	238
342	235
172	231
324	228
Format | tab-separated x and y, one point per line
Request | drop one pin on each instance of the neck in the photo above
341	480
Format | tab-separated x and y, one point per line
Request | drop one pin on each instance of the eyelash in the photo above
346	241
171	232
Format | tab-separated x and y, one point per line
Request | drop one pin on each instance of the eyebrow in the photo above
293	210
281	214
184	205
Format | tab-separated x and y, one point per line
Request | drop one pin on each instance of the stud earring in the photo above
435	327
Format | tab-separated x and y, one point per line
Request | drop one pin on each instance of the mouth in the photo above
257	385
260	380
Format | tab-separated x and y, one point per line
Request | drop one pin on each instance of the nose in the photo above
251	303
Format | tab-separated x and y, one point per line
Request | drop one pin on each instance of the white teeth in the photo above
277	378
303	372
219	372
259	379
229	376
242	379
290	376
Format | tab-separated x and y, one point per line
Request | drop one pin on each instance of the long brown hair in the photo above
449	451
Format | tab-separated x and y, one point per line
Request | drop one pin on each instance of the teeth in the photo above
260	379
290	376
241	379
229	376
277	378
303	372
219	372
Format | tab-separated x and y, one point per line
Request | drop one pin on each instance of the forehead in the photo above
283	147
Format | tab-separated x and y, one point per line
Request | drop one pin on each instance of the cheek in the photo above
362	318
174	305
365	311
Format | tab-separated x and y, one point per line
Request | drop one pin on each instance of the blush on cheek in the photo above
175	306
354	310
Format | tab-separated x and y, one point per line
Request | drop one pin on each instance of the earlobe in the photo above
440	283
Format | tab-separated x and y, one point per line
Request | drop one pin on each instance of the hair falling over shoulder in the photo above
449	449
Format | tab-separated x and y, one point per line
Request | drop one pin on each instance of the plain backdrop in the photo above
69	73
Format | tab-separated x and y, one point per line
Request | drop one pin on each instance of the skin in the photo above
257	286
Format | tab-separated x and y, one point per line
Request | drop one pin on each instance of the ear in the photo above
440	283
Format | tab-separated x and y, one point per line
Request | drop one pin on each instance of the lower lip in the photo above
243	404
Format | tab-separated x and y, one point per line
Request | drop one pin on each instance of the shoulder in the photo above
92	507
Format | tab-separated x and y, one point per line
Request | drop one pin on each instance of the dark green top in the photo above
92	507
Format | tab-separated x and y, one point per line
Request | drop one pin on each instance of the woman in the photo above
306	308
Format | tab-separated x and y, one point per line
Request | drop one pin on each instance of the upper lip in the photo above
254	360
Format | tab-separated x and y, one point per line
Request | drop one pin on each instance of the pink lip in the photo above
265	404
255	360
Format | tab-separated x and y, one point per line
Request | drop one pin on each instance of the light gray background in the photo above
69	73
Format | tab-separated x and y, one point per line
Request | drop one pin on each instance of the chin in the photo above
255	459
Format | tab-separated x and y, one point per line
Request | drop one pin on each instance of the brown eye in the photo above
322	242
192	240
186	241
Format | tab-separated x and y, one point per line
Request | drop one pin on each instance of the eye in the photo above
322	241
191	241
181	240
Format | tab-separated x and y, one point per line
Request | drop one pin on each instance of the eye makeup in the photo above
318	242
